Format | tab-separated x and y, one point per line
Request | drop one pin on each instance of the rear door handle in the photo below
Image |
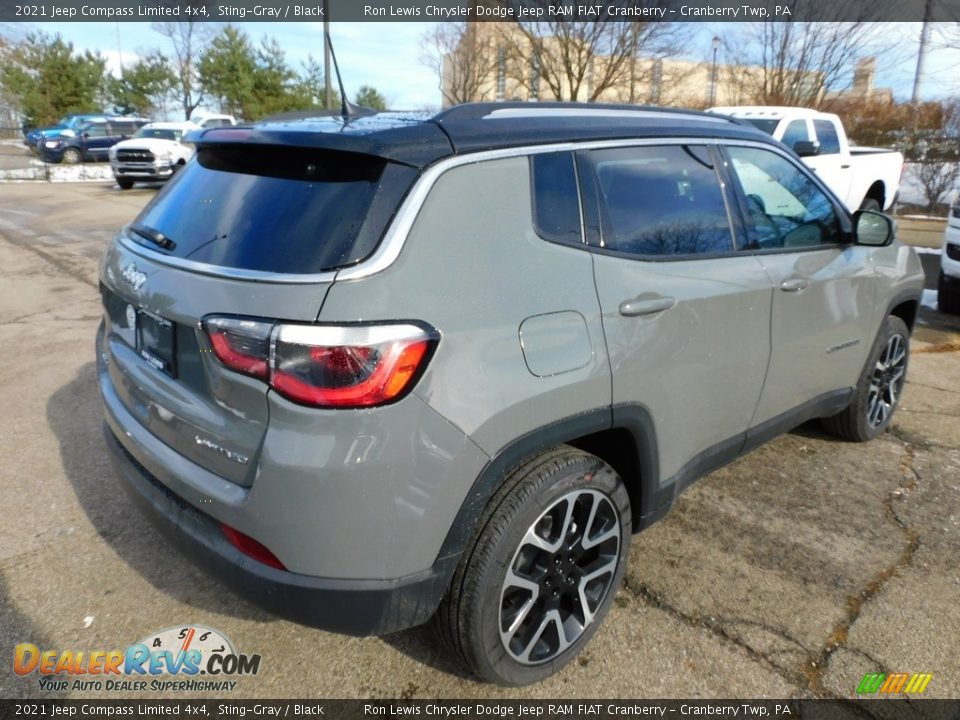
646	306
794	285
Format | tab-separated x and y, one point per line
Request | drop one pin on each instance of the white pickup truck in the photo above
155	153
862	177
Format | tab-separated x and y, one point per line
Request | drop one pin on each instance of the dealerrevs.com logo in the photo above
186	658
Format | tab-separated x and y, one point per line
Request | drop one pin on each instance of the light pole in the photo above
713	72
327	80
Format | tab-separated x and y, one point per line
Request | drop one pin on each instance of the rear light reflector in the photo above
250	547
323	365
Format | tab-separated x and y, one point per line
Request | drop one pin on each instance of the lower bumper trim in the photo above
352	607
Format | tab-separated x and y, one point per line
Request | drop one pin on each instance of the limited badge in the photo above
131	317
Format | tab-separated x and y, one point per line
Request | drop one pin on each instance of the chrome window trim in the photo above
202	268
396	235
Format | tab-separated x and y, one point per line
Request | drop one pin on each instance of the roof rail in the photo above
491	110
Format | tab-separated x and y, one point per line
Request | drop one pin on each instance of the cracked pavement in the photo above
790	573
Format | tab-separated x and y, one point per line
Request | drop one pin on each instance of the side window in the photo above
795	132
97	131
556	203
827	135
661	201
785	207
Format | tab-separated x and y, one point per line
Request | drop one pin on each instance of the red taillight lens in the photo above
359	366
241	345
326	366
250	547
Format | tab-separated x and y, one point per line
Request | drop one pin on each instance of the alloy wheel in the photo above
887	380
559	576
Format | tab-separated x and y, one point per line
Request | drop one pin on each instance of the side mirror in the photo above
806	148
873	228
85	136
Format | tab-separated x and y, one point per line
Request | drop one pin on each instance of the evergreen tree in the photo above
311	86
369	96
227	70
48	79
145	86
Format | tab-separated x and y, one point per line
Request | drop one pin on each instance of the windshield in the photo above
159	134
276	209
768	126
76	122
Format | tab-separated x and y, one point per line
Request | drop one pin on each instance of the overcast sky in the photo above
387	55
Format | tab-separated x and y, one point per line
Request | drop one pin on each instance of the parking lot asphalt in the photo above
789	573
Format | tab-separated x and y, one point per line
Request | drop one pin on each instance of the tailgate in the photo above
161	364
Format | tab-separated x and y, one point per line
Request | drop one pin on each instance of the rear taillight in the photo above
241	345
322	365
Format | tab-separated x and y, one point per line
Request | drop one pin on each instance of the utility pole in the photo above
119	51
922	54
713	72
327	85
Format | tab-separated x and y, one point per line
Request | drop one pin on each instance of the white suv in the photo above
948	289
155	153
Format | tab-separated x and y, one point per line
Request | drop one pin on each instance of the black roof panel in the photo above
419	139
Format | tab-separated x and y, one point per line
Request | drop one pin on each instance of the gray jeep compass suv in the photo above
375	371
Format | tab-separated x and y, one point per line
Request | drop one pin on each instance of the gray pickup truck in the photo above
375	371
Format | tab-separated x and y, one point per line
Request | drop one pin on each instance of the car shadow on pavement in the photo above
75	415
17	628
423	645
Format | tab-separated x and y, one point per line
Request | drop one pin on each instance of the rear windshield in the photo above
768	126
275	209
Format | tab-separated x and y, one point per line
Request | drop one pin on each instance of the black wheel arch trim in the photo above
908	295
635	419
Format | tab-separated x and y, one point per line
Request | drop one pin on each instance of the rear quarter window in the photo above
556	202
277	209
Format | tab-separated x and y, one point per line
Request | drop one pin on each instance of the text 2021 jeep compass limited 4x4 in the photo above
375	371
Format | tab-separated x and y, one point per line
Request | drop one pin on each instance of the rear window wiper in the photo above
154	236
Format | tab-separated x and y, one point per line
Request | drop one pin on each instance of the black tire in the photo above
870	204
72	156
556	488
878	391
948	298
125	184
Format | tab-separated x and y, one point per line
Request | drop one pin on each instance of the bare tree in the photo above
797	62
936	178
188	40
581	61
464	57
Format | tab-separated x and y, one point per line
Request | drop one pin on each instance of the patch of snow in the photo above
928	251
58	173
929	298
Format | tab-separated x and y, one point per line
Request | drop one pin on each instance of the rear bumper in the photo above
358	564
354	607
